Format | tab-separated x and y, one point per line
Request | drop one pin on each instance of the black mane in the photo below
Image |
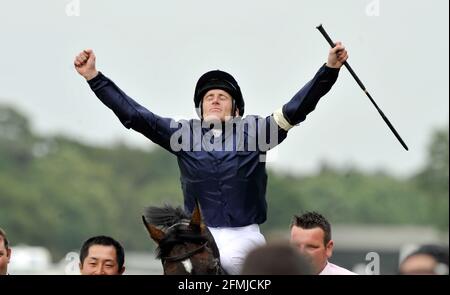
166	216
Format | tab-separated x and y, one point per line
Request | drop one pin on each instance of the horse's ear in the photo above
196	219
155	233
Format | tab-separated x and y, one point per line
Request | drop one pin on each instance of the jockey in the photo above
221	155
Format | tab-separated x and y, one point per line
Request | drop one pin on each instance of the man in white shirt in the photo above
5	253
311	235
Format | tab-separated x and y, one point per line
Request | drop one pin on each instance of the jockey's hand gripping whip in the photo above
332	44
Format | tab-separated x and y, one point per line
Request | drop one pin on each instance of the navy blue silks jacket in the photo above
223	166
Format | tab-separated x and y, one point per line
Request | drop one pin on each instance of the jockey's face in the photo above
217	104
310	242
5	255
101	260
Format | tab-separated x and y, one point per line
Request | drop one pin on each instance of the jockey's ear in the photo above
196	219
155	233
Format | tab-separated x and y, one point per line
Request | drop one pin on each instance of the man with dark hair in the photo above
102	255
222	154
5	253
311	235
276	259
426	260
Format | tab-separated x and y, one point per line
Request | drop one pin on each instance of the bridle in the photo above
216	261
185	255
217	268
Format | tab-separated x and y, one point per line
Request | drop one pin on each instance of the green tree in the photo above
434	177
56	191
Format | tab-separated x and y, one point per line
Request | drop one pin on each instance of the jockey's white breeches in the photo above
235	243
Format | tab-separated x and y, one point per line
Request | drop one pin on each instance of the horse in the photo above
185	245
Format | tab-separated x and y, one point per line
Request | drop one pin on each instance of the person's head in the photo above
218	96
311	235
427	260
276	259
5	253
102	255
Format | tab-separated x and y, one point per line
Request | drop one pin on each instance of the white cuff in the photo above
281	120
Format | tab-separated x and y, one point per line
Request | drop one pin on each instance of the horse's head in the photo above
185	245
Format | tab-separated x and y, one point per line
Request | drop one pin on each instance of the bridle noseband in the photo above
216	266
185	255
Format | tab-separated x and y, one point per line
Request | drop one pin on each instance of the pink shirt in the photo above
333	269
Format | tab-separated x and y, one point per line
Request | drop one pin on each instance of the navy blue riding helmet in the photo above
218	80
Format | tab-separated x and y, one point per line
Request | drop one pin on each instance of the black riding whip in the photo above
349	68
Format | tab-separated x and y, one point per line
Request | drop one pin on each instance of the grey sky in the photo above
156	50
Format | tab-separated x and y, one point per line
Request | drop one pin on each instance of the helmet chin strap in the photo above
233	108
201	109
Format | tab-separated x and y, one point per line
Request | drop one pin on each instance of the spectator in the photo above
5	253
276	259
426	260
102	255
311	235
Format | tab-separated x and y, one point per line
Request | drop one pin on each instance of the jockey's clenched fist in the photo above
85	64
337	56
